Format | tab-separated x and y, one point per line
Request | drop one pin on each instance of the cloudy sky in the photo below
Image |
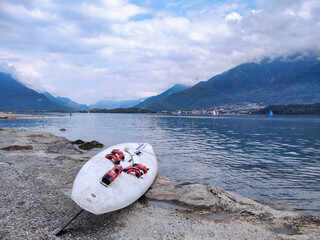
122	49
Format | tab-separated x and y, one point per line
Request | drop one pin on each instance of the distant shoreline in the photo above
289	109
9	115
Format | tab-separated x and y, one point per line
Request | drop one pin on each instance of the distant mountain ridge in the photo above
67	102
111	104
291	80
14	96
159	97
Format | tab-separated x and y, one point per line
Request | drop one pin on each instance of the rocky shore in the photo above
36	177
10	115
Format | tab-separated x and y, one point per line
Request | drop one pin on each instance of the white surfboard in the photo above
94	197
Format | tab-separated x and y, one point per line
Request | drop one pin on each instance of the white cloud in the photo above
98	48
101	69
119	11
233	17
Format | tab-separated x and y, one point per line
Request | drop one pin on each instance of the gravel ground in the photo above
35	201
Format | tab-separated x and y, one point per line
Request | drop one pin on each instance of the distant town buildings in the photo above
226	109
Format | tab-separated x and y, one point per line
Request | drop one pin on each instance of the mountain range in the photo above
285	80
290	80
140	103
157	98
111	104
14	96
73	106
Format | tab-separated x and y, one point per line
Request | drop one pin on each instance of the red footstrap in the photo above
116	156
111	175
137	168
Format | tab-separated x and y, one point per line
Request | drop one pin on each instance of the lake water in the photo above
275	160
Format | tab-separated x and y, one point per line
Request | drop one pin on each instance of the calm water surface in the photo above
275	160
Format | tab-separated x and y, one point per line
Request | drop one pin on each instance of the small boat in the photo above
270	113
214	113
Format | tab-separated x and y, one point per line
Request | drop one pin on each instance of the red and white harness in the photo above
116	156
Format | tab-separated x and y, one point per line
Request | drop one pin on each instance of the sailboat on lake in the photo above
270	113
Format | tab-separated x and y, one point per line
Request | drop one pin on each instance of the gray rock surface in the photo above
90	145
79	141
35	200
6	115
17	148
